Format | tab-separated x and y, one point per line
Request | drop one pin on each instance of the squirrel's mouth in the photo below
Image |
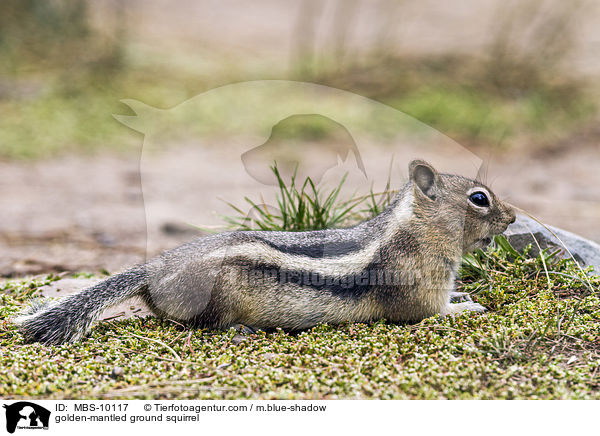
484	242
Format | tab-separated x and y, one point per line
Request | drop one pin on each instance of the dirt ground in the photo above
90	213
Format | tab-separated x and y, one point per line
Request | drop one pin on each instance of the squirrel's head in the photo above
456	206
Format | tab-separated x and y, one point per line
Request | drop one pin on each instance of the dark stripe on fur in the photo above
317	251
352	286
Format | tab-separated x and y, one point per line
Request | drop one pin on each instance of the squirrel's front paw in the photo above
454	309
474	307
459	297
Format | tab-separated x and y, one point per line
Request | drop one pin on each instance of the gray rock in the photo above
238	339
519	235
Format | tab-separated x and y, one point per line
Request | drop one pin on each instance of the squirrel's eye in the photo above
479	199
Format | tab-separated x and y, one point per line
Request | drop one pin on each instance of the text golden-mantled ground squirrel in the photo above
400	265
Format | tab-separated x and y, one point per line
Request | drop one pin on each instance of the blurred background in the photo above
513	82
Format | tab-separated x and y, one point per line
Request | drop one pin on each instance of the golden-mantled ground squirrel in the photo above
400	265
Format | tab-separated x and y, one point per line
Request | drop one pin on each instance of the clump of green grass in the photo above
548	267
305	206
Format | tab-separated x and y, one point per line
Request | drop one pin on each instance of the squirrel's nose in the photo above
513	218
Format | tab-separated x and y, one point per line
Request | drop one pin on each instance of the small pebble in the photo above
117	372
238	339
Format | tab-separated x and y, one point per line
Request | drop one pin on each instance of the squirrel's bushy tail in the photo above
70	318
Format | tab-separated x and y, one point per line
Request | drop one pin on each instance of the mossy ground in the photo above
539	339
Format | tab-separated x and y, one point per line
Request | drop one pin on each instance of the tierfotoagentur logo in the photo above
256	275
24	415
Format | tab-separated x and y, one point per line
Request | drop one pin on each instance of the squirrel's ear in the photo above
425	177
